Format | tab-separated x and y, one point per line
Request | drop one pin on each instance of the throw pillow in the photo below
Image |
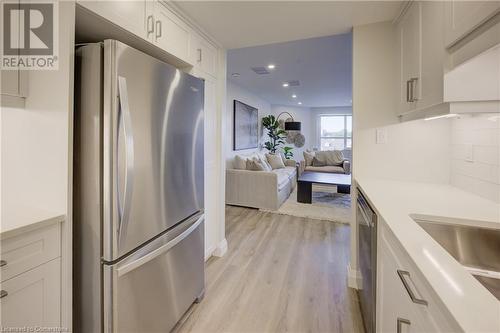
254	164
264	161
318	163
308	157
240	162
276	161
331	157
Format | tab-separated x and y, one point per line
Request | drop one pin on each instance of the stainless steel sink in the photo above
476	248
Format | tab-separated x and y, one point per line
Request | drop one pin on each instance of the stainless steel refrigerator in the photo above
138	191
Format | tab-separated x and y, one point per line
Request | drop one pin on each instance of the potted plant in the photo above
288	153
276	134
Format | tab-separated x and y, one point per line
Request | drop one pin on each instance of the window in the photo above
335	132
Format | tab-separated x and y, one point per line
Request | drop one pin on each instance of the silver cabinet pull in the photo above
158	29
408	88
199	54
402	275
3	293
412	89
400	322
150	24
3	263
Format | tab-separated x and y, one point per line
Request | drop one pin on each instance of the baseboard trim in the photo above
221	248
353	277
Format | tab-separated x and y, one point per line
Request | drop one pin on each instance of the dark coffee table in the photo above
306	179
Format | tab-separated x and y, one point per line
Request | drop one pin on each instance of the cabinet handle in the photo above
402	275
408	88
3	263
400	322
412	81
158	29
150	24
3	293
199	54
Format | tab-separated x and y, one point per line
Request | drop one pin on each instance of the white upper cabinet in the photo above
409	34
130	15
203	55
421	55
462	17
170	33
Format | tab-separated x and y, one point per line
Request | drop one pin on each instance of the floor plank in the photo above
280	274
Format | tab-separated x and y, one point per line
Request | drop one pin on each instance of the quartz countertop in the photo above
23	219
474	308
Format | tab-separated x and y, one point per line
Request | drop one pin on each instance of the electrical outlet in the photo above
381	136
469	153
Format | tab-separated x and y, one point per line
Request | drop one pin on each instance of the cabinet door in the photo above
203	55
462	17
14	82
130	15
433	55
32	298
171	34
409	35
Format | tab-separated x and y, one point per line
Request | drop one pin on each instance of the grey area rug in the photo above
329	206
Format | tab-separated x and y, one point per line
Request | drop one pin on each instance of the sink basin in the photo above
476	248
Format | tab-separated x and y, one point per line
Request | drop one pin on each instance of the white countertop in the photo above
22	219
473	307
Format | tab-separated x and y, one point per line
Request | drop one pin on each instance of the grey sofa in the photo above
260	189
306	165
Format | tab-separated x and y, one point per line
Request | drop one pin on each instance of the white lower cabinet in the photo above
405	303
30	287
32	299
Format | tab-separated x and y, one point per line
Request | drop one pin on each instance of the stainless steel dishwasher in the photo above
367	254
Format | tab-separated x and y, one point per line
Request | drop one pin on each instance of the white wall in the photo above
236	92
373	100
304	115
480	134
418	150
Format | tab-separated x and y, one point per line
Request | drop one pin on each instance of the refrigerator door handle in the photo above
159	251
124	208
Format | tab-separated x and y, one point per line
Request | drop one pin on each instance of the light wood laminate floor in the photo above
280	274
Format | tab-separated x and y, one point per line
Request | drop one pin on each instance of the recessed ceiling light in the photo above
294	96
299	103
285	84
235	75
271	66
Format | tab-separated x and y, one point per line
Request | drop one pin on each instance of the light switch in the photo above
469	153
381	136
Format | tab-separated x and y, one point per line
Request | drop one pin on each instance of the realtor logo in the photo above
28	38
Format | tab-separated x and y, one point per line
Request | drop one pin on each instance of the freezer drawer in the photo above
149	291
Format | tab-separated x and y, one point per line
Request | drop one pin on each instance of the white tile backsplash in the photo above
481	175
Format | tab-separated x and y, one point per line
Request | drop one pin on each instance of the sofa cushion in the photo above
330	157
308	157
328	168
255	164
318	163
240	162
276	161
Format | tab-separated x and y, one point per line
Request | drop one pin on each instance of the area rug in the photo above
335	207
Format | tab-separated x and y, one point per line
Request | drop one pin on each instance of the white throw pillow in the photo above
255	164
308	157
240	162
276	161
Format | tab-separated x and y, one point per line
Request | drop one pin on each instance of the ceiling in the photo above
322	65
237	24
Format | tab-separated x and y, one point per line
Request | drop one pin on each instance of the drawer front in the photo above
431	317
32	299
31	249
